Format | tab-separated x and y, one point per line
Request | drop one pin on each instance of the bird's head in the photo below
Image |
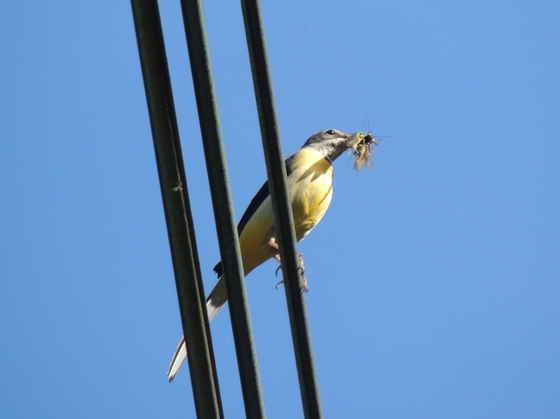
330	142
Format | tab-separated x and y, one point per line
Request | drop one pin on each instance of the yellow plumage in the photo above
310	189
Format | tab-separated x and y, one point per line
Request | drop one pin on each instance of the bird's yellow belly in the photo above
310	190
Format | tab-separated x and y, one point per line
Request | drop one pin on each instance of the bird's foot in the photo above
301	269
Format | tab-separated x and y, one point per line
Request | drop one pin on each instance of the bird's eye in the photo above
329	132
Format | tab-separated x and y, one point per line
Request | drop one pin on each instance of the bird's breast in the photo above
310	183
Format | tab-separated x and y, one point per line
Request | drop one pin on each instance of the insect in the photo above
362	150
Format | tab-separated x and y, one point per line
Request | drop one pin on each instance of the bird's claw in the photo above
301	269
304	287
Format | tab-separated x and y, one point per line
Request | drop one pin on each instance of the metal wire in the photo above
223	206
282	208
177	208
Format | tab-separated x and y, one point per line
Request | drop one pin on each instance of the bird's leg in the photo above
272	243
301	268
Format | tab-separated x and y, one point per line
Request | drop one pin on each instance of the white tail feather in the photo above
178	358
214	303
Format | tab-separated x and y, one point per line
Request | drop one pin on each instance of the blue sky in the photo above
434	278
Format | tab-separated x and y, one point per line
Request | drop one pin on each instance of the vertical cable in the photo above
177	207
282	208
203	81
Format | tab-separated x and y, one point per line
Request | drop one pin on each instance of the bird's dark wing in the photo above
256	202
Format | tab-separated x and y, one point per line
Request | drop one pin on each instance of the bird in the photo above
310	187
